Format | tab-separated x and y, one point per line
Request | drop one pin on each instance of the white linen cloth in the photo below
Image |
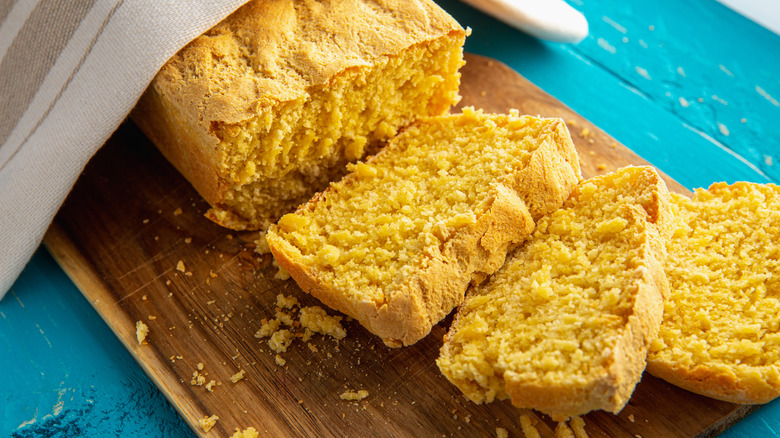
70	72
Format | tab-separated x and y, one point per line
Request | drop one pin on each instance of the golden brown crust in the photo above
554	161
266	53
472	252
275	50
721	384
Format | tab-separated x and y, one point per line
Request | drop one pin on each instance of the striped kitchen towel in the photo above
70	72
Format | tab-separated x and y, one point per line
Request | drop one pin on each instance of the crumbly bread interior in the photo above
720	334
373	230
550	327
395	243
281	157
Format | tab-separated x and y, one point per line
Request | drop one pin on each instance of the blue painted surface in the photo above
65	373
672	80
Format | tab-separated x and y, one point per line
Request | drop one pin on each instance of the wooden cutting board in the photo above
132	218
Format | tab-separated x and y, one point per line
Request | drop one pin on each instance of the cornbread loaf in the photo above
720	334
267	107
564	326
396	242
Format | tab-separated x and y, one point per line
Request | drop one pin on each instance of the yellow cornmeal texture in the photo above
249	432
267	107
395	243
366	238
720	334
550	319
282	157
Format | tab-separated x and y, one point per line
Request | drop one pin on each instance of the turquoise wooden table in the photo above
692	87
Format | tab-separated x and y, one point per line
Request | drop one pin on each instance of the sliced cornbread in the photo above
720	335
396	242
268	106
563	327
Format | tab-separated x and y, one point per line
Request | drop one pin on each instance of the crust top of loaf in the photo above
272	51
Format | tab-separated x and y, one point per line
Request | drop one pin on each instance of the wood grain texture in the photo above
121	235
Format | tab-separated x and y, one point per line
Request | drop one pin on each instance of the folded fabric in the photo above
70	72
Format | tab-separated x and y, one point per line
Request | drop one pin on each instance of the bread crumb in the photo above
284	317
206	423
268	328
501	433
562	431
281	274
145	221
577	425
198	378
261	245
188	240
249	432
141	330
212	274
601	167
180	266
286	302
317	320
354	395
280	360
229	237
210	386
280	340
529	430
177	212
143	298
631	417
237	376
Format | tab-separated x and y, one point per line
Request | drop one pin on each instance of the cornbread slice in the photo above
396	242
720	335
563	327
267	107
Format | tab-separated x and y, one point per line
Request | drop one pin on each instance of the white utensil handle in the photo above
552	20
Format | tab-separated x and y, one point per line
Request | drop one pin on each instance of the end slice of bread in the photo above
564	326
720	335
396	242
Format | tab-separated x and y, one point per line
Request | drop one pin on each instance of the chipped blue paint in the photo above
690	86
65	374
